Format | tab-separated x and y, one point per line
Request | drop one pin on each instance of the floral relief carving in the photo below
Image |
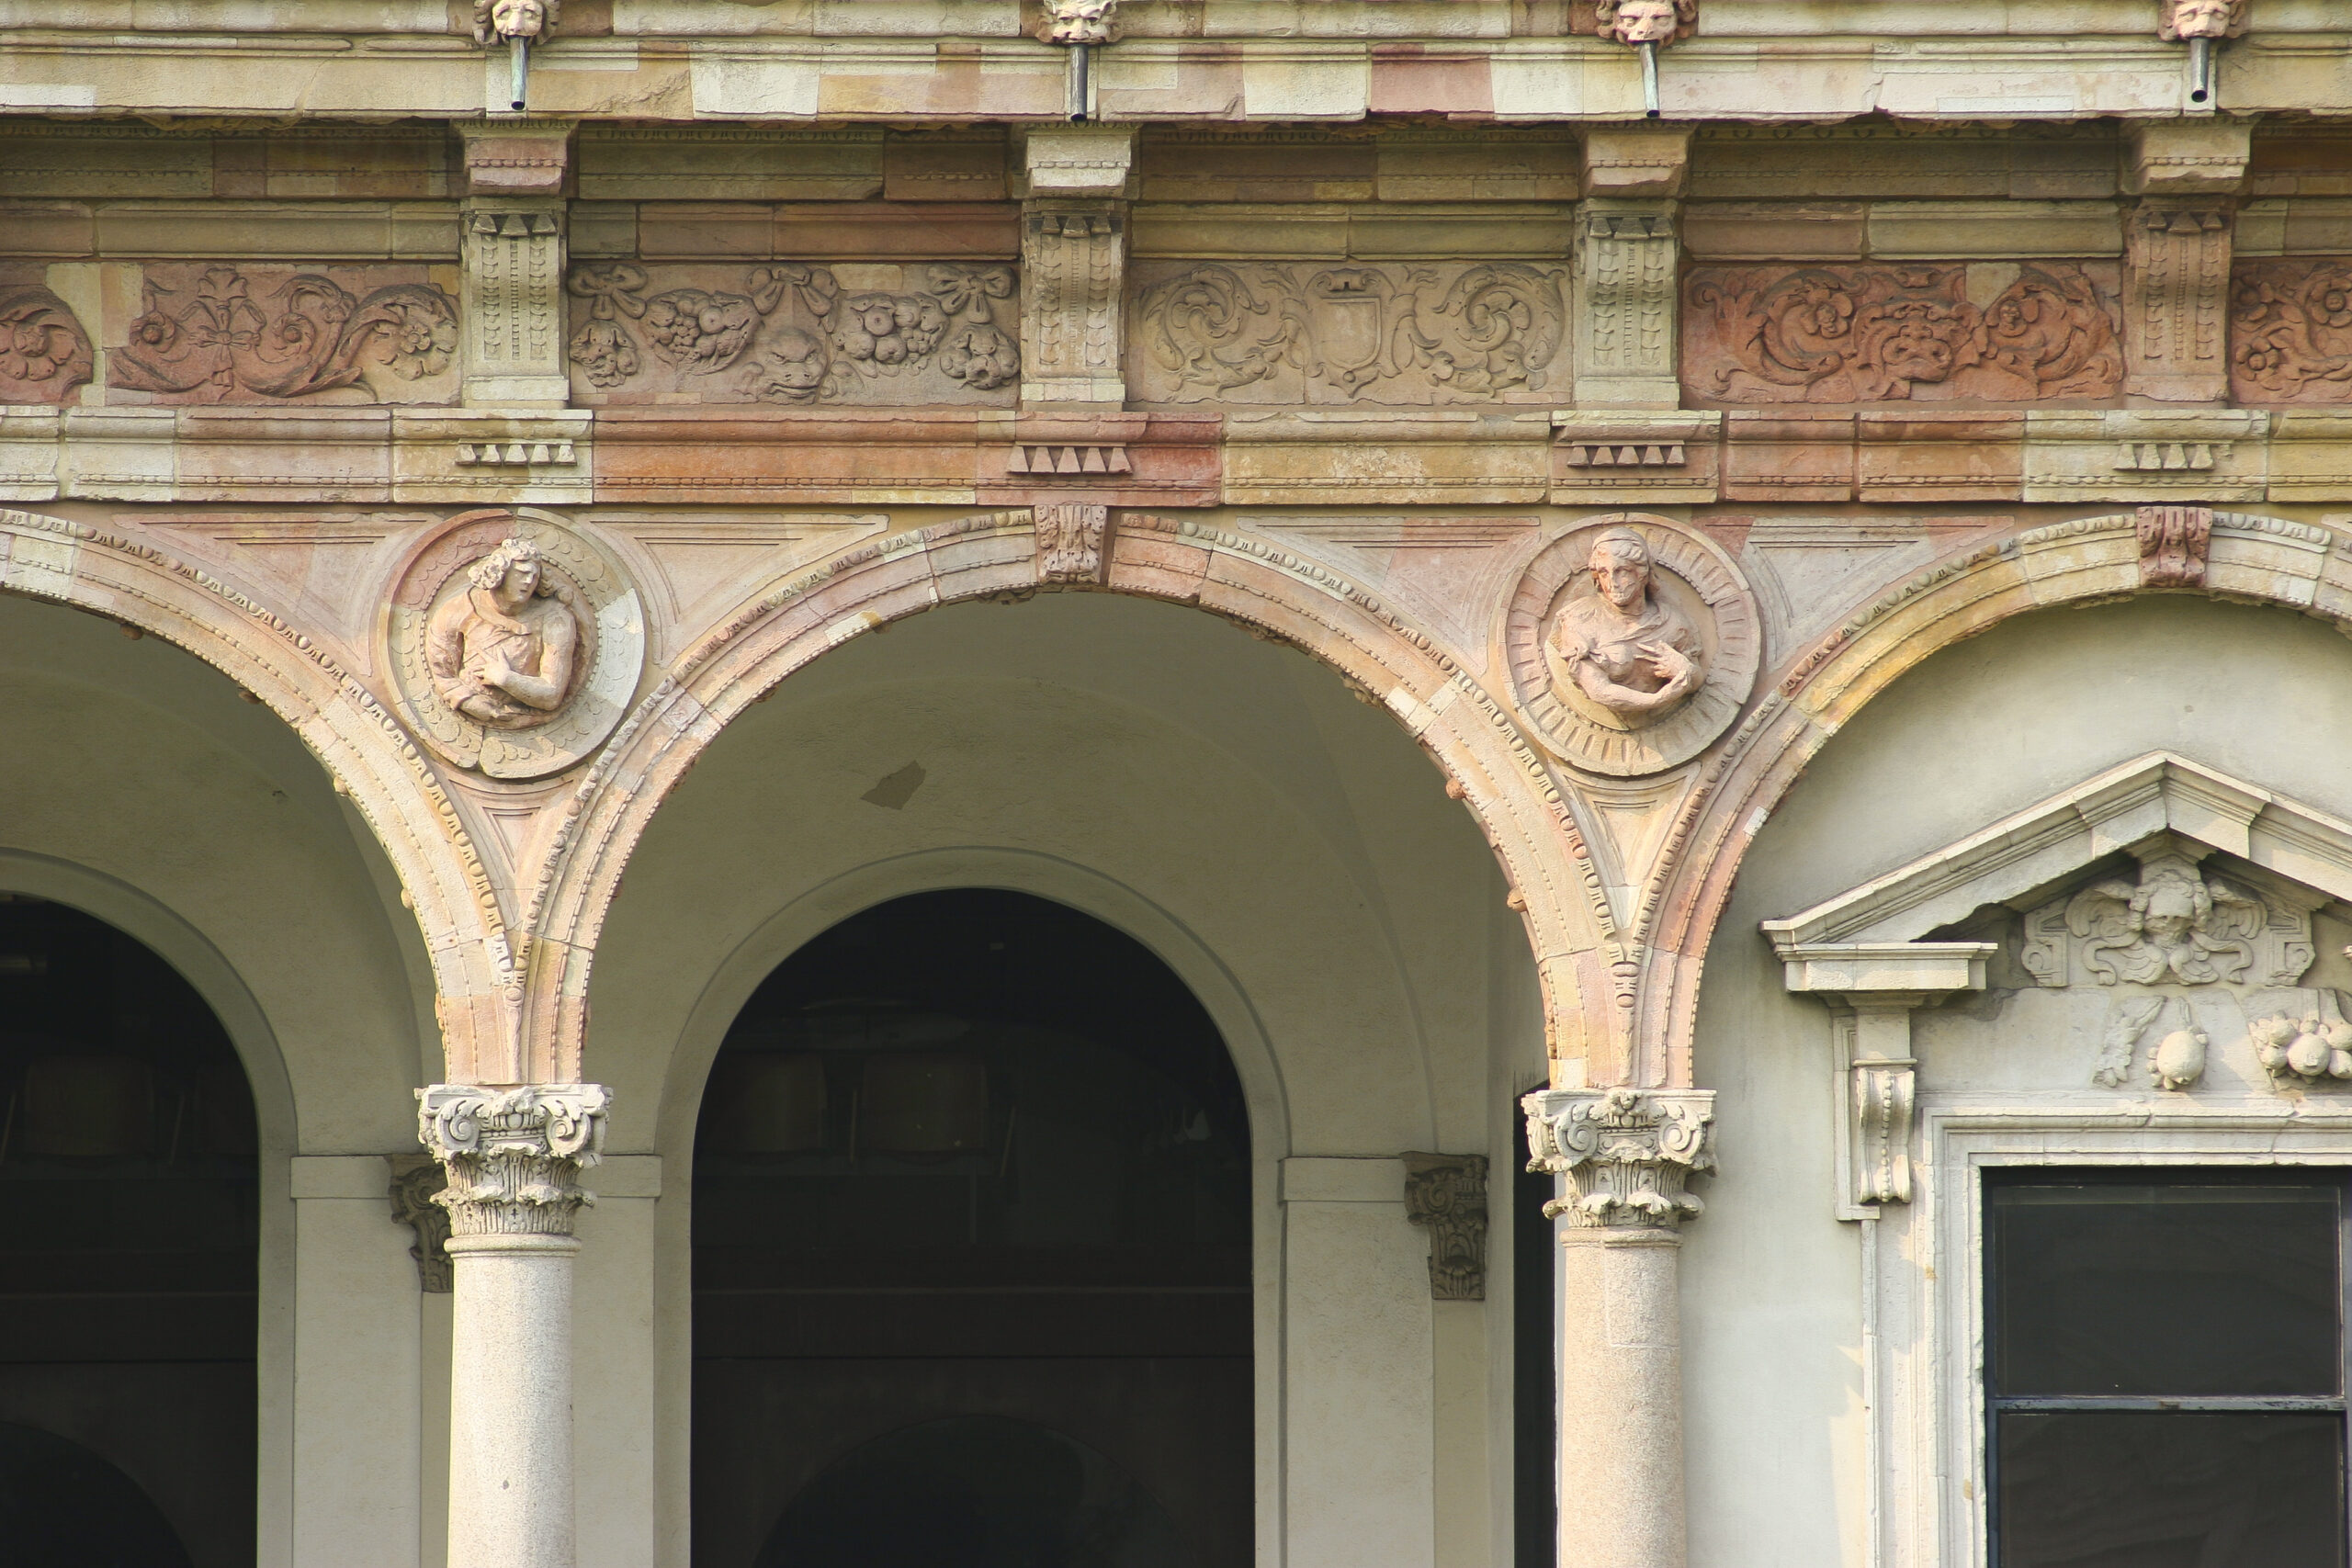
515	644
44	352
1632	645
1267	332
219	333
1069	541
1875	333
2291	331
789	332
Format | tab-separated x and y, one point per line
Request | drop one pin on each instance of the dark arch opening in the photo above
974	1156
130	1235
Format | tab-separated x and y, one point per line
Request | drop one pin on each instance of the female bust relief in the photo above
1618	648
502	652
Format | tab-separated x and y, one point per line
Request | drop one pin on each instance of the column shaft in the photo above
510	1408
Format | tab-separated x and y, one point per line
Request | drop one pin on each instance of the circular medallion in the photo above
1630	644
515	644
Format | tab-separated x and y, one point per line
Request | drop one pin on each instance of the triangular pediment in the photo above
2030	856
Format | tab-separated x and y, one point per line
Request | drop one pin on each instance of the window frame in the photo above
1990	1177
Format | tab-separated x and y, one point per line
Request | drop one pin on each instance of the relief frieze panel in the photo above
1975	331
1275	333
2290	331
44	351
217	333
791	334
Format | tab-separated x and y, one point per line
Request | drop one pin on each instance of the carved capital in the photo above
513	301
1447	1195
1627	1153
513	1155
417	1183
1627	258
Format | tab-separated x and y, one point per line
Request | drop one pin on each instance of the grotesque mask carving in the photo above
507	20
503	653
2202	18
1079	21
1646	22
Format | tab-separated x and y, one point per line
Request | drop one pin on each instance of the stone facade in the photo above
1628	466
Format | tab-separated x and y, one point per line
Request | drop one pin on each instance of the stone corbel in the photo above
513	224
513	1155
1628	260
2188	177
1073	266
417	1180
1447	1195
1872	989
1628	1154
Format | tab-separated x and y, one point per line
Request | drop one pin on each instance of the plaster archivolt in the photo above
1489	763
2085	561
367	755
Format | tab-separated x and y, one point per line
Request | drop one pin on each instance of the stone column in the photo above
2188	177
512	221
513	1157
1626	1154
1074	266
1626	265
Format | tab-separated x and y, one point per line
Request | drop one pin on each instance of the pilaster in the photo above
1073	266
512	225
1627	263
2188	177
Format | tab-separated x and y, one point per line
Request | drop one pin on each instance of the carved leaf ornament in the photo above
308	334
1266	333
1699	611
2291	331
1877	334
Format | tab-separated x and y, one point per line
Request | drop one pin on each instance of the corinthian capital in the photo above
1626	1152
514	1155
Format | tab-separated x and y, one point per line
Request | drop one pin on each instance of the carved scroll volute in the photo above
1446	1195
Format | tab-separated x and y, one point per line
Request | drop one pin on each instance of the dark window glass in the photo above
2137	1489
2166	1360
2170	1290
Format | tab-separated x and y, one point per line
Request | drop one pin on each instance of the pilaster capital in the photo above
514	1155
1080	159
1627	1153
517	157
1637	161
2188	157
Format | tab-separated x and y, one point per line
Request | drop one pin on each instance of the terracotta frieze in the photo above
1917	330
1273	333
217	333
2290	331
44	352
791	334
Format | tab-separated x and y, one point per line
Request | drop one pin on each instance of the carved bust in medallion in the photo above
503	652
516	642
1632	645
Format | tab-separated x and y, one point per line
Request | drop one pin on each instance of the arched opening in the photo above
968	1157
129	1255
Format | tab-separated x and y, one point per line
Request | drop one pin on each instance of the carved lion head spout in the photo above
2202	18
1646	22
506	20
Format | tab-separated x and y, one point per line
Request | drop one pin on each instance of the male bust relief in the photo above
502	652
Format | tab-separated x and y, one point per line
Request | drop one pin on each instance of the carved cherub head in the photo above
1646	22
2201	19
513	573
2174	924
1079	21
507	20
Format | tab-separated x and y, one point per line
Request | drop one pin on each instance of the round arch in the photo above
148	920
366	753
1489	765
2089	560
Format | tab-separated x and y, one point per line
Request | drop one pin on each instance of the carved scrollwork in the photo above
2291	331
515	644
791	332
1627	1153
1875	333
1630	644
1260	332
214	334
44	352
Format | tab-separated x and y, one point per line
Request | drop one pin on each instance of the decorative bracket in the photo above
1447	1193
1872	987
